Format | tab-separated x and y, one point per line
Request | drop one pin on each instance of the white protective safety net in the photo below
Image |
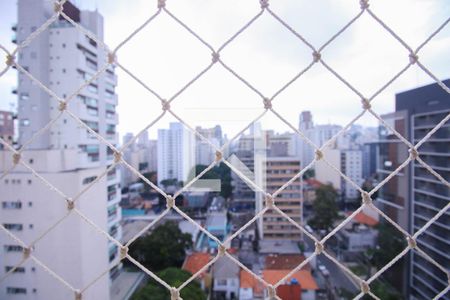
267	107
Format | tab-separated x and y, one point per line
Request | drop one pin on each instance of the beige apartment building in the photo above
278	171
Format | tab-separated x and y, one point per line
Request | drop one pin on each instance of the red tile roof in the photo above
248	281
284	262
194	262
313	182
303	277
289	292
362	218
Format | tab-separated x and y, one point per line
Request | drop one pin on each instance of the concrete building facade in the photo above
67	155
176	152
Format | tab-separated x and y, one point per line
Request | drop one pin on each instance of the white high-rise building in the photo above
176	152
205	154
66	155
347	161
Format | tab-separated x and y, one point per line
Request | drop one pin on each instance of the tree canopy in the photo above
325	209
221	172
174	277
164	247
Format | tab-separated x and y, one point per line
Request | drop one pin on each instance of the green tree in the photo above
325	209
390	242
150	176
164	247
222	172
174	277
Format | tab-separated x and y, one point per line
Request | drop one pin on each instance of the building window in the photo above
15	290
13	248
222	282
89	179
25	122
17	270
11	205
24	96
13	226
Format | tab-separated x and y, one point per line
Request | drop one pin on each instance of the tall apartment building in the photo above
6	127
141	155
176	152
347	161
66	155
278	171
425	107
204	153
306	125
394	195
414	196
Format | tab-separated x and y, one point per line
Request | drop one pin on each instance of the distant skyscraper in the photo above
176	152
204	152
304	151
69	157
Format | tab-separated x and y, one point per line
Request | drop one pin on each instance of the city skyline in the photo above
361	212
195	103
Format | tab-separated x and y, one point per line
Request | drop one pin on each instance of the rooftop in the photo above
225	268
284	262
304	277
195	262
278	247
365	219
248	281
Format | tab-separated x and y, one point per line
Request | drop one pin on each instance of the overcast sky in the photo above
165	56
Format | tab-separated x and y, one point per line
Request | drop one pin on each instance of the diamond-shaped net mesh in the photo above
267	107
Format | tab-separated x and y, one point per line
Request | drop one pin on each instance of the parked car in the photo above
324	270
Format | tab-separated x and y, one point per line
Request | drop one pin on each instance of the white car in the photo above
324	270
309	229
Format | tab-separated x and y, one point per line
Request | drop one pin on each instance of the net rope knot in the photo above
58	7
165	105
413	58
215	57
413	153
269	201
9	60
319	154
316	56
117	156
271	291
170	202
26	252
70	204
366	199
219	156
174	294
161	4
62	105
411	242
264	3
267	103
366	104
364	4
221	250
365	288
318	248
111	58
78	295
123	252
16	158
